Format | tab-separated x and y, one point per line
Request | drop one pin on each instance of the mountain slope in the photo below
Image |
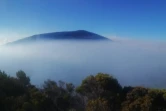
66	35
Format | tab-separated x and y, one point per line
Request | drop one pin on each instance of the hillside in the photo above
66	35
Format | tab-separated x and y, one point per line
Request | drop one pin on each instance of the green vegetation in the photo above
101	92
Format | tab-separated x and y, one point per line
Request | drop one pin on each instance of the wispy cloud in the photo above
157	45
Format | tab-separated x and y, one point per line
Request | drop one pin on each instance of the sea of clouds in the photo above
132	62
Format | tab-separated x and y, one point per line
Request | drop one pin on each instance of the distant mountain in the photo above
66	35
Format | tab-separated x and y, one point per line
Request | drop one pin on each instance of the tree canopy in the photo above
100	92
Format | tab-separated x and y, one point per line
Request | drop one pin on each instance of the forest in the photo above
99	92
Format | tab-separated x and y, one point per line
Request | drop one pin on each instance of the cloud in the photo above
131	62
157	45
3	41
9	35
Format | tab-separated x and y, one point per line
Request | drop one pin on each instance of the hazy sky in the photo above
140	19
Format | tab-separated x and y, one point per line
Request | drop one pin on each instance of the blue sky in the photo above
136	19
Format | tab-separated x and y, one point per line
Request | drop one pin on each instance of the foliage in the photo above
98	104
144	99
102	86
101	92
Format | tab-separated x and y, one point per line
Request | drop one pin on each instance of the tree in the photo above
101	92
102	86
159	99
25	80
61	94
98	104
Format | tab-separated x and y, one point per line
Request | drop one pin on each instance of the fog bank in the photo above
131	62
